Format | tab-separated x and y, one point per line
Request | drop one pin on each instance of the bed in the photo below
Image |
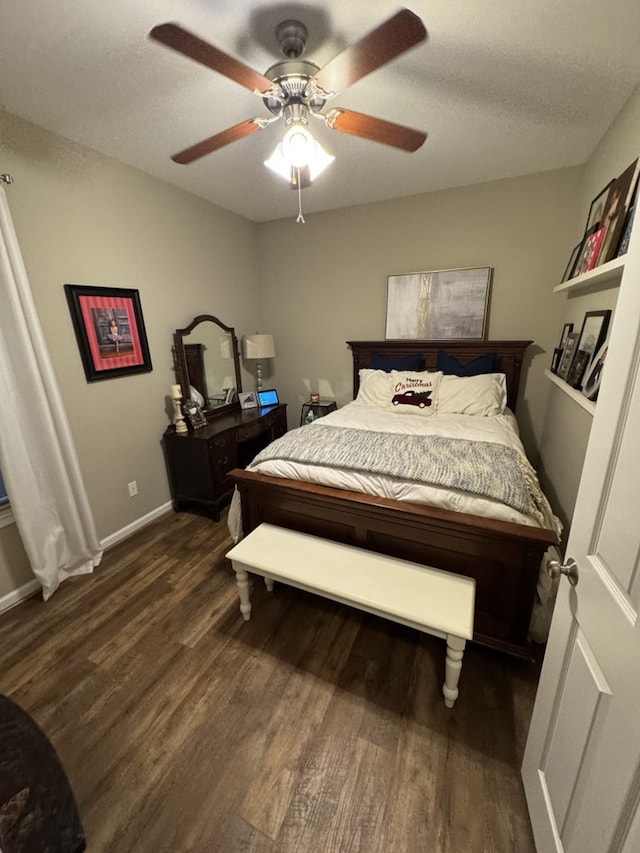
502	550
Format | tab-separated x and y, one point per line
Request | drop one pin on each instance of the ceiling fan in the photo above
297	90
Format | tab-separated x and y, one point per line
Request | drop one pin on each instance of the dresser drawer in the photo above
278	423
247	431
221	443
199	462
225	464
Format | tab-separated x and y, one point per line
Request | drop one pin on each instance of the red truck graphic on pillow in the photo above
413	398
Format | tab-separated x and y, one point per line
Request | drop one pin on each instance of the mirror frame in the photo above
180	356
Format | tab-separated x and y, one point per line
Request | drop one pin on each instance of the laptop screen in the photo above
268	398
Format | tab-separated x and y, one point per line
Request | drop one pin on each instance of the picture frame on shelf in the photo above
567	354
578	367
623	245
109	329
438	304
590	251
555	361
575	254
618	203
593	377
594	331
248	400
597	208
568	327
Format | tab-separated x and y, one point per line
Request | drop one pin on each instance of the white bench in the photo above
430	600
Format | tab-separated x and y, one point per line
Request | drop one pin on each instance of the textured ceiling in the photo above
503	88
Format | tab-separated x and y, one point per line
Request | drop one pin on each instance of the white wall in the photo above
84	219
325	282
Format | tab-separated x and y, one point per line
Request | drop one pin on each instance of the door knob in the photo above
570	569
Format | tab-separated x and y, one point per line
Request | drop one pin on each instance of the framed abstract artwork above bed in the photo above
439	304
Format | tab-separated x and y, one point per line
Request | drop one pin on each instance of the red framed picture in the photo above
590	251
109	329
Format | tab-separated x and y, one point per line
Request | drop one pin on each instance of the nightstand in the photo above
312	411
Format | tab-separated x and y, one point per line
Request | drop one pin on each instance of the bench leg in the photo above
242	579
269	584
453	666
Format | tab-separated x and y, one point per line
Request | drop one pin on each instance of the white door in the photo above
581	767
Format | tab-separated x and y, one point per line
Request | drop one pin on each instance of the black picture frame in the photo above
109	329
597	208
575	254
568	354
578	367
568	327
623	245
594	332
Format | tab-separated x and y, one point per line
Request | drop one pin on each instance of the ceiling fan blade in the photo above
213	143
375	129
386	42
172	35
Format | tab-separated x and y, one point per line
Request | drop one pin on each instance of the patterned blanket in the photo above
477	467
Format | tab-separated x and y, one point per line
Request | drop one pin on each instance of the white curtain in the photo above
37	455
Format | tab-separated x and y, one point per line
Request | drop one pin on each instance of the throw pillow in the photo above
397	362
374	388
414	393
483	395
450	365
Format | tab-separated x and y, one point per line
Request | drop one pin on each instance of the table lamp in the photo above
259	347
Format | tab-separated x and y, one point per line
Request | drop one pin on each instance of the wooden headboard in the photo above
509	357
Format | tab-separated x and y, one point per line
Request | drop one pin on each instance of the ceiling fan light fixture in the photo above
278	164
297	146
318	161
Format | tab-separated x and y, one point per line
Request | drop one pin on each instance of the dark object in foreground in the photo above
38	811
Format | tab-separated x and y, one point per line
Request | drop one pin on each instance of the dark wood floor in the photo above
311	728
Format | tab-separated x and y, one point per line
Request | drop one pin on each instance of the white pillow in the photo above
375	387
483	395
414	392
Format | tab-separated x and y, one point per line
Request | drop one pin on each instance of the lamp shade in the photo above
259	346
317	163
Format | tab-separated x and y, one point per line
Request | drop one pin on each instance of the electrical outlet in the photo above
133	488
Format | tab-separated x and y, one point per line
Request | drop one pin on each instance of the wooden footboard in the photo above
503	558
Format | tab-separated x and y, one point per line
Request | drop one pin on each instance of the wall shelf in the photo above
577	396
610	271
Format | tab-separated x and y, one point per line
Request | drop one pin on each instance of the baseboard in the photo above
17	595
121	534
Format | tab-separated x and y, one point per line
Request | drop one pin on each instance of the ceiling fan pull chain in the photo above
300	217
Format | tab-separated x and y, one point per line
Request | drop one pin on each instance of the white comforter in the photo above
501	429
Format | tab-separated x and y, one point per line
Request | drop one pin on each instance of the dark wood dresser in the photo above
198	462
